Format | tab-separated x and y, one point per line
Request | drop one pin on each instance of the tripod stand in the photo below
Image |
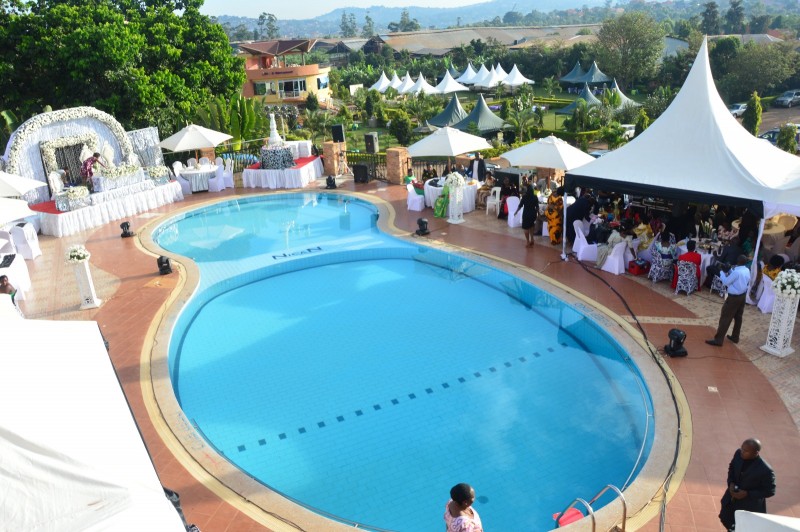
344	168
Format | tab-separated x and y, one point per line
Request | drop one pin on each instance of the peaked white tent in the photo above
697	151
480	75
73	458
468	75
515	78
624	100
406	85
395	82
422	85
492	80
500	72
382	84
448	85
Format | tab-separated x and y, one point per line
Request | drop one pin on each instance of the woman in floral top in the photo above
459	515
87	168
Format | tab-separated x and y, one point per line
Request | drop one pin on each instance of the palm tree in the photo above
317	122
551	85
522	121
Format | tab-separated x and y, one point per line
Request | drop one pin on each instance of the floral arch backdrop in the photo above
28	151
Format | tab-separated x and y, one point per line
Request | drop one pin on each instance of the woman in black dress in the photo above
530	205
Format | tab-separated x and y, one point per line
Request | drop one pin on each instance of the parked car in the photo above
772	135
737	109
788	98
630	129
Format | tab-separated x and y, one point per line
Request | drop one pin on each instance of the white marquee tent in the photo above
382	84
468	75
482	74
395	82
515	78
448	85
73	458
406	85
421	85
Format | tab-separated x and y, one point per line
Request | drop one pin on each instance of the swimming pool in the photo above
346	368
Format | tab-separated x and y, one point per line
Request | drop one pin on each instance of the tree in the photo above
406	23
734	18
630	46
710	22
787	138
268	24
760	23
522	121
513	18
401	128
348	25
614	135
551	85
723	53
312	102
751	119
642	122
368	30
759	67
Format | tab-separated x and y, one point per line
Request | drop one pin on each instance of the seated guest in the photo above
429	172
507	189
726	232
409	178
7	288
484	192
419	187
463	170
690	256
666	248
644	232
604	249
774	267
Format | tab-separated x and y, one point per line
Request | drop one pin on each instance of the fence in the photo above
375	163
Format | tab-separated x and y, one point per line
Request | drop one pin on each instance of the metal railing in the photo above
375	163
588	506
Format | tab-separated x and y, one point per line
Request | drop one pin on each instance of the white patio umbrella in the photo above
194	137
549	152
449	85
12	185
13	209
447	142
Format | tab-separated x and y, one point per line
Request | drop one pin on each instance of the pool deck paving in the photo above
734	392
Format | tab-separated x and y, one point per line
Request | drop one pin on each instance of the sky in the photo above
306	8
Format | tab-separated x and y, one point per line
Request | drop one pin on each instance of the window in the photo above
322	82
292	88
260	88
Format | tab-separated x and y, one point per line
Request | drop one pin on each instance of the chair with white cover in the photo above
414	201
493	200
718	286
687	277
56	183
228	173
217	183
203	161
660	268
191	162
7	243
514	220
767	299
26	241
581	247
186	186
615	261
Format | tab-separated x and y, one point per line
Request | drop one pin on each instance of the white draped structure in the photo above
382	84
515	78
492	80
406	84
448	85
421	85
287	178
468	75
482	74
395	82
781	325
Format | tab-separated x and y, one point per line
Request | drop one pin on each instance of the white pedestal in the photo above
456	206
781	326
83	277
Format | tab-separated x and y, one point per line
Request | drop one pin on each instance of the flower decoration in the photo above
48	148
117	171
454	180
787	283
156	171
77	254
75	193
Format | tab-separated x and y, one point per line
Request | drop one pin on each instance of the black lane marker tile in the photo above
321	424
428	390
551	349
359	413
262	442
376	407
301	430
339	418
395	402
412	396
462	380
241	448
523	359
445	385
282	436
492	369
477	373
508	364
537	355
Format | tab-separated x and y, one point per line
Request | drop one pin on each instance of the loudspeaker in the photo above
338	132
360	173
371	142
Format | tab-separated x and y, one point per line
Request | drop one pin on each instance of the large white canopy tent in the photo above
422	85
395	82
468	75
697	151
482	74
73	458
382	84
448	85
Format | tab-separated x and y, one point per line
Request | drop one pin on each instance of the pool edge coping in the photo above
253	498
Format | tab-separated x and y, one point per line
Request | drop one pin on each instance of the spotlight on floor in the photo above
164	267
675	346
126	230
330	182
422	223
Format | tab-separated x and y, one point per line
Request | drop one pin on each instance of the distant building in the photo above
277	71
758	38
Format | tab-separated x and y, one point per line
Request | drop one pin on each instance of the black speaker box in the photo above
371	142
360	173
338	132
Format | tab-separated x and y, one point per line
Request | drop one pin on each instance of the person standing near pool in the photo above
751	481
530	206
459	515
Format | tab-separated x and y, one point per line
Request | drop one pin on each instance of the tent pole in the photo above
564	226
754	264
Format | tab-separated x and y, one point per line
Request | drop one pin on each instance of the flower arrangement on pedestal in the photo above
787	283
454	180
77	254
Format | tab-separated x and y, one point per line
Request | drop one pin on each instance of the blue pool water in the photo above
363	376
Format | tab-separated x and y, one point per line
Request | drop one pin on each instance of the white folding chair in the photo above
493	200
414	201
581	247
186	186
767	299
217	183
7	243
615	262
228	173
512	202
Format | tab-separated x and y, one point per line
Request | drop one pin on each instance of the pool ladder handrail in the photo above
588	506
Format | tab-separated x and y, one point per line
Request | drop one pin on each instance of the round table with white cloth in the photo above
199	176
433	192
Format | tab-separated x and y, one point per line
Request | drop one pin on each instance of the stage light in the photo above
164	267
675	346
126	230
422	223
330	182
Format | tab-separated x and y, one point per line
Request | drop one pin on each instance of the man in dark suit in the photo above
478	168
751	481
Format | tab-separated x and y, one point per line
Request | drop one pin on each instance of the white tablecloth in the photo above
18	275
432	193
300	148
102	183
68	223
288	178
199	177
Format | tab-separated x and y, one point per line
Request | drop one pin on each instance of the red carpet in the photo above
47	207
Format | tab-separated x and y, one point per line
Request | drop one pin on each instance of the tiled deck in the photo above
734	392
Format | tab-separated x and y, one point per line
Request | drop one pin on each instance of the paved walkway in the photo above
734	392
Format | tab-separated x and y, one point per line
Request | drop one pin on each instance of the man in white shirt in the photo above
737	280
